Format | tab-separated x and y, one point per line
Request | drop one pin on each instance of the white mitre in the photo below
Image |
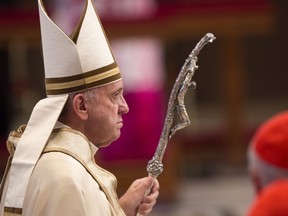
76	63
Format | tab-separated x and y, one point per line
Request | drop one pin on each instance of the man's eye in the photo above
116	94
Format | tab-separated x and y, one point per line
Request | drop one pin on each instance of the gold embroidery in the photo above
95	78
13	210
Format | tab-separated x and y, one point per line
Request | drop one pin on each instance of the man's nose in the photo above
123	106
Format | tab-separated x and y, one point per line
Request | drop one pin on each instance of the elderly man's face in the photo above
105	114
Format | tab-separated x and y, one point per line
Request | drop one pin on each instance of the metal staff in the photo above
176	103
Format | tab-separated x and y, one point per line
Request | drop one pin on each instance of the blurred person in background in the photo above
52	169
268	166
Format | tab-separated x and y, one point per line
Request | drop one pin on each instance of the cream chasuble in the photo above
67	181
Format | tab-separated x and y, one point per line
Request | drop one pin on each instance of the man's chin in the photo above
106	144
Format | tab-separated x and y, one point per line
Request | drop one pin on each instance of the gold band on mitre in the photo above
91	79
78	62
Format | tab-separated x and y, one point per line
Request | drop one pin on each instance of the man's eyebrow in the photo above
119	89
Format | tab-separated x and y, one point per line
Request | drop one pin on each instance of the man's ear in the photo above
80	106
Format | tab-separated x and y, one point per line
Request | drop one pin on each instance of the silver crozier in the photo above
176	104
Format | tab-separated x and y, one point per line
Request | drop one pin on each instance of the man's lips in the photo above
120	123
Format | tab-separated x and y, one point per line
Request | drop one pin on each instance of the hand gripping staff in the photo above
176	103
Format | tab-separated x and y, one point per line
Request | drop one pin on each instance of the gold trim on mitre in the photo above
79	62
88	80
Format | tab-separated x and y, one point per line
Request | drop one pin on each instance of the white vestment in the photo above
67	181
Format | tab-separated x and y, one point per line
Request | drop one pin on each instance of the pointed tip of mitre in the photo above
84	63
